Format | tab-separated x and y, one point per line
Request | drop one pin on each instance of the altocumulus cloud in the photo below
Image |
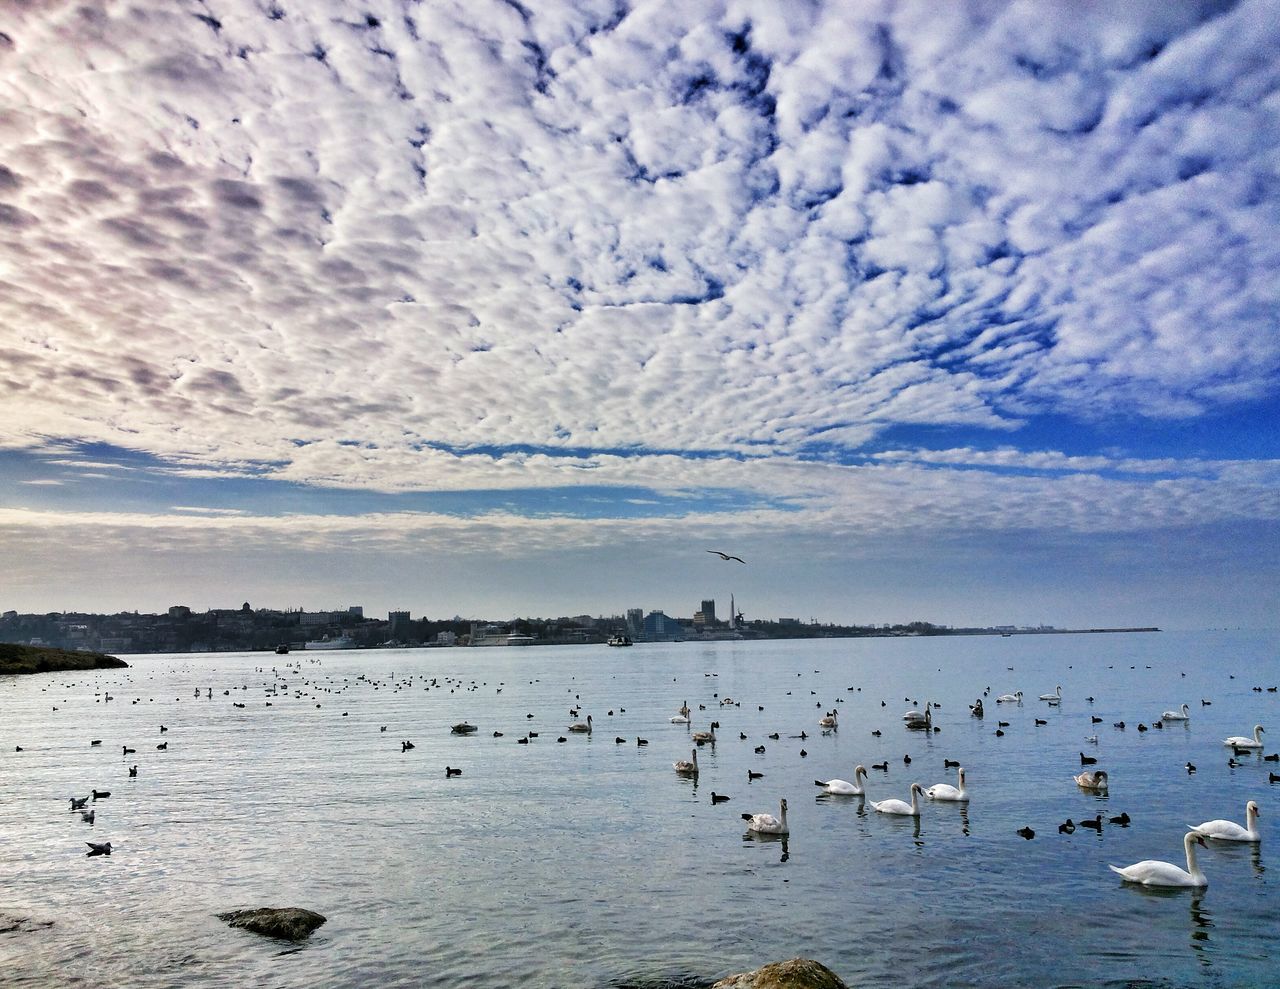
408	246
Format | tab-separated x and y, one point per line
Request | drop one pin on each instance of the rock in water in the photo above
290	923
798	973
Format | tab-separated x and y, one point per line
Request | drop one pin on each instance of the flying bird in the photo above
726	556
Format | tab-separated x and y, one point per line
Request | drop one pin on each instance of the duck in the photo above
449	771
1092	779
1151	872
77	803
1055	696
718	798
950	764
1241	742
462	728
1067	827
900	807
1014	698
133	772
882	766
1190	768
1183	715
98	848
687	768
1122	819
1229	830
581	727
87	816
1026	833
843	788
945	791
1093	825
767	823
753	775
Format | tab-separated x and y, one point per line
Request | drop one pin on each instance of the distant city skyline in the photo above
957	313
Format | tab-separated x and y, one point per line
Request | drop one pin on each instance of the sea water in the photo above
590	862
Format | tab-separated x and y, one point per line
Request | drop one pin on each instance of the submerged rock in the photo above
798	973
290	923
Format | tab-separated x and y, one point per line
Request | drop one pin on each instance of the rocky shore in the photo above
15	659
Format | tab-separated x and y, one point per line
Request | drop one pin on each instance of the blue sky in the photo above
956	312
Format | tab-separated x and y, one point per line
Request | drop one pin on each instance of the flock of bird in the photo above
1094	780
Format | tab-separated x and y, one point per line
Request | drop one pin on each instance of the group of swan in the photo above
1152	872
939	791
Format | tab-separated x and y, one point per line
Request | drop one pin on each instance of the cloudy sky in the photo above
963	312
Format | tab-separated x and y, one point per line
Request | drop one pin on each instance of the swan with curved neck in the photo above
687	767
922	723
1152	872
582	727
1015	698
1183	715
1092	779
827	721
843	788
705	736
1230	830
945	791
901	807
1241	742
1055	696
767	823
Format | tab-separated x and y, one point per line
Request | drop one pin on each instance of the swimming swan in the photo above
582	727
704	736
686	768
1010	698
1151	872
945	791
1092	779
843	788
1230	830
767	823
1055	696
829	721
1240	742
896	806
1184	715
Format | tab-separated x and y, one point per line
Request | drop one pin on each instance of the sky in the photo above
964	313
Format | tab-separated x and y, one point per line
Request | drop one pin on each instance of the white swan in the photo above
1092	779
583	727
829	721
1055	696
1152	872
705	736
767	823
843	788
1183	715
1010	698
685	768
1240	742
914	715
1230	830
896	806
945	791
679	719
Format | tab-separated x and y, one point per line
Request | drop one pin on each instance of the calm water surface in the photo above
590	863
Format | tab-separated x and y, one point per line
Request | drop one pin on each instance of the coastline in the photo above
17	660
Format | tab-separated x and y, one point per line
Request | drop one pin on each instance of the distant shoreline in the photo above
17	660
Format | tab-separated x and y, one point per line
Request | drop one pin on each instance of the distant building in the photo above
399	621
447	638
356	610
179	611
659	628
635	623
709	611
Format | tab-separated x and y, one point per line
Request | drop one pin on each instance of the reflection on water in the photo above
587	862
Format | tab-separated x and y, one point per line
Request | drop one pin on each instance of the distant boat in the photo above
341	642
618	640
282	649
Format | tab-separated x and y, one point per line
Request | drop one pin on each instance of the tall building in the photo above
399	621
709	611
659	628
635	623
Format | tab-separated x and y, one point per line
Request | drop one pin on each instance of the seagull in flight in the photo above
726	556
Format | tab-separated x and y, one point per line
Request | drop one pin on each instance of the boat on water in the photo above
338	642
282	649
618	640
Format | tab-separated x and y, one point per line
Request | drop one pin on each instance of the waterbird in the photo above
687	767
1122	819
1094	825
1118	724
1067	827
163	729
1229	830
98	849
1094	719
759	750
1183	715
950	764
77	803
906	760
1273	778
96	741
522	741
1273	757
1241	742
945	791
1141	726
999	733
1190	769
462	728
725	556
843	788
133	771
1055	696
87	816
1002	724
406	746
101	794
753	775
900	807
127	750
1092	780
642	741
162	746
450	771
718	798
767	823
1151	872
1026	833
1087	760
1040	721
619	740
882	766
